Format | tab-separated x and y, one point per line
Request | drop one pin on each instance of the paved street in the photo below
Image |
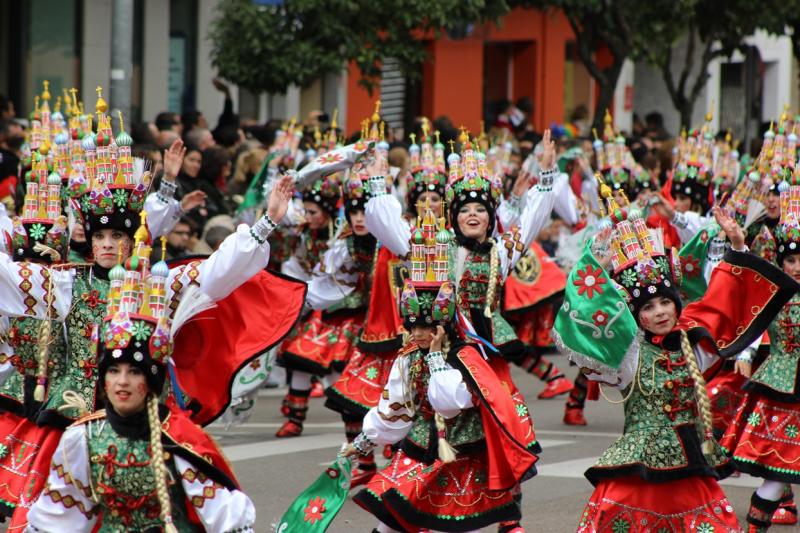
274	471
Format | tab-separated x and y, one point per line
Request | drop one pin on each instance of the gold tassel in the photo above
446	452
494	266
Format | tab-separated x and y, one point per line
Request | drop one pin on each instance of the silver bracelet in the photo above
377	185
435	361
363	444
546	178
262	229
166	191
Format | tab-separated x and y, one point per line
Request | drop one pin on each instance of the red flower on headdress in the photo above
589	281
600	318
314	510
329	158
690	266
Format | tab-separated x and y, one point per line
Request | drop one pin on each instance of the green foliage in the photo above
267	48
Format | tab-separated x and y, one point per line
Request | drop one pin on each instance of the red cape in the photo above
383	329
509	459
213	346
535	278
743	297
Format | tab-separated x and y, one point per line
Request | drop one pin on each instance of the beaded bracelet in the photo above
262	229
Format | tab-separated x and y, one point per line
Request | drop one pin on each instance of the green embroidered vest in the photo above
472	289
124	482
464	428
779	370
660	398
79	373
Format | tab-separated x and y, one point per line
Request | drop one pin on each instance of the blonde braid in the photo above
494	266
157	462
700	393
45	331
446	451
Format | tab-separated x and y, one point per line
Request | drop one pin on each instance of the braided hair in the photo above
159	468
700	393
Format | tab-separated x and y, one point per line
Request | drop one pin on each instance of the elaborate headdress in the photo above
640	265
694	165
613	158
428	173
469	181
42	232
787	232
428	297
111	186
325	193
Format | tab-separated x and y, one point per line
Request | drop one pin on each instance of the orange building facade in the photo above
525	55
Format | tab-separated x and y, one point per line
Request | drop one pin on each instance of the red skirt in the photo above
359	387
726	395
26	451
534	325
764	439
320	344
410	495
632	505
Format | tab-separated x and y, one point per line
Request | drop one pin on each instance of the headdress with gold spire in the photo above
428	173
640	265
469	180
428	297
787	232
111	186
694	165
613	158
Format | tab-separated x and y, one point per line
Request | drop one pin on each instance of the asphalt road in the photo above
274	471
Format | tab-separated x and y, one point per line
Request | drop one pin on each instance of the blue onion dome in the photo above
160	269
88	143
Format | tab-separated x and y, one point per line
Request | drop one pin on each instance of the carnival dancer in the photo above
476	262
76	296
462	440
627	330
116	469
761	440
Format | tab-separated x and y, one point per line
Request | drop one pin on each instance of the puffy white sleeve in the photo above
384	218
565	201
240	257
333	279
68	482
163	210
390	421
535	215
447	392
688	224
6	226
26	288
222	509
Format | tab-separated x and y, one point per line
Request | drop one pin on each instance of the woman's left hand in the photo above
728	224
438	339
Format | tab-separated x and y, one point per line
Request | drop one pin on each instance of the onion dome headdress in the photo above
469	180
41	233
428	297
112	187
640	265
787	232
613	158
428	172
694	165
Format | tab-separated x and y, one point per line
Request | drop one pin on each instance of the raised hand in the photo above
548	158
192	200
438	339
728	224
278	202
173	159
